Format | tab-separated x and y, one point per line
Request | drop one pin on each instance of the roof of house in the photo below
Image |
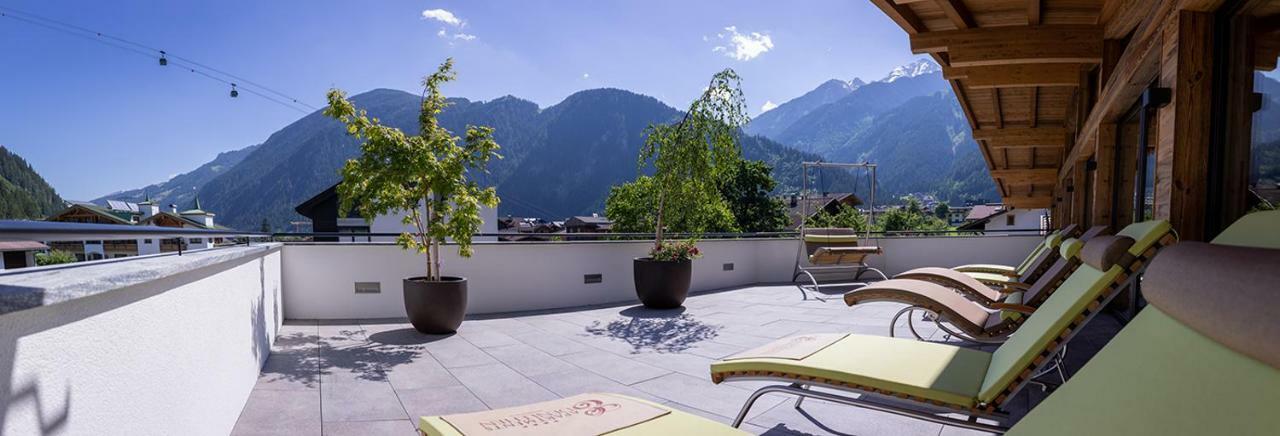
984	211
121	217
599	220
22	246
307	208
183	219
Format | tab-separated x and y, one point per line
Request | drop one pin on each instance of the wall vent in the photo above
368	287
728	266
592	278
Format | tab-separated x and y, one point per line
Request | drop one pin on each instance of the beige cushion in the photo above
1229	294
1103	252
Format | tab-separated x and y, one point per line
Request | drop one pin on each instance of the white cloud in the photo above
586	76
443	16
450	19
743	46
767	106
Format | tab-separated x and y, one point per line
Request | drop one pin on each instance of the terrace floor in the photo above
365	377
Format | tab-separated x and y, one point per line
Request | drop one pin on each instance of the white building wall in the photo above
175	355
319	279
392	223
1024	219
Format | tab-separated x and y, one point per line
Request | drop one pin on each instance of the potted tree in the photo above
425	178
688	158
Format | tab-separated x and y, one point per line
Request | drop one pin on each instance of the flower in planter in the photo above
675	251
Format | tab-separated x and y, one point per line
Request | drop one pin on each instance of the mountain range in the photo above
23	193
562	160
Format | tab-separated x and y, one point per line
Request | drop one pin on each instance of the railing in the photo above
60	231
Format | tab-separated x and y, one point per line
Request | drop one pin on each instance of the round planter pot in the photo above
661	284
435	307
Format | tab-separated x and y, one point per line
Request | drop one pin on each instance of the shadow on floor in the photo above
661	330
303	359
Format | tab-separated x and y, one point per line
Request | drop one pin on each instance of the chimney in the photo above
173	208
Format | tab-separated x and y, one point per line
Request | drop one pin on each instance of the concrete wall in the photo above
171	352
319	279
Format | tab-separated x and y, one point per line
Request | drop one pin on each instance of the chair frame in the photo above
801	259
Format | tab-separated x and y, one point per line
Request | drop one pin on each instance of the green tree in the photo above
941	211
54	257
910	217
266	226
630	206
423	175
847	217
690	156
746	189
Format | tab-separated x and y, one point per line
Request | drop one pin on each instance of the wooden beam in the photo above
1033	136
1033	111
1033	12
1029	202
995	103
903	15
1016	76
1047	35
1026	175
1026	52
1137	67
957	13
1120	17
1182	148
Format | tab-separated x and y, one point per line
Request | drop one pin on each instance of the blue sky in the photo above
93	119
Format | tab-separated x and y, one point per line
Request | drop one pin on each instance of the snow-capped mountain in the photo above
914	69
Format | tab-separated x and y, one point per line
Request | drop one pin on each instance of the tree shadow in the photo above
664	331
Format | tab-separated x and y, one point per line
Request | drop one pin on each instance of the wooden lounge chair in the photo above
991	319
940	379
1031	267
992	288
832	249
1202	358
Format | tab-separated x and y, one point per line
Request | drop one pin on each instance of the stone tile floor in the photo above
373	377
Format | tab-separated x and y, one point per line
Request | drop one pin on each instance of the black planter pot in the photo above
662	284
435	307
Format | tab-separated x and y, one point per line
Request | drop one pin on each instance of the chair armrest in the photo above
1011	287
1022	308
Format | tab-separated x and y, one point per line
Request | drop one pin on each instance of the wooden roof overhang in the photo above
1016	67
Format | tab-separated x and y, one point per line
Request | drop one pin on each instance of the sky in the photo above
93	119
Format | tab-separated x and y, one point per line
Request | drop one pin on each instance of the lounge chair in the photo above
938	379
832	249
1031	266
992	288
1202	358
991	317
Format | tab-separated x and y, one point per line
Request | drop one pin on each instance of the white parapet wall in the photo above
152	345
320	279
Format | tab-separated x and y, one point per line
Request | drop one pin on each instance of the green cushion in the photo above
991	278
1158	376
1012	298
929	370
831	239
1050	319
1050	242
1258	229
673	423
1070	248
1056	313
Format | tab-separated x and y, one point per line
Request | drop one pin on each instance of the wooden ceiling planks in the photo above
1014	66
